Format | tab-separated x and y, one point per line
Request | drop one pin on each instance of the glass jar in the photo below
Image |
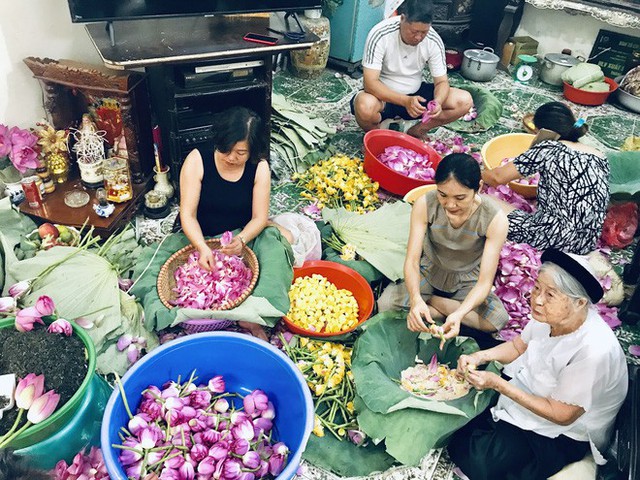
117	179
311	62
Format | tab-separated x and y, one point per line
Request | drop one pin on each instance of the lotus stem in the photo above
9	439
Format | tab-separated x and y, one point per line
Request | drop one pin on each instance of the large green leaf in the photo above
409	425
344	458
489	110
624	177
14	225
380	237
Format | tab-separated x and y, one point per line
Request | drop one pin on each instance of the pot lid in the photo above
483	56
561	59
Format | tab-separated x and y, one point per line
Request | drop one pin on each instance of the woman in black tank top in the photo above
226	186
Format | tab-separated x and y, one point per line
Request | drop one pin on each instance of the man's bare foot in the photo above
255	330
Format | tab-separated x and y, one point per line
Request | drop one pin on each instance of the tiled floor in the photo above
328	96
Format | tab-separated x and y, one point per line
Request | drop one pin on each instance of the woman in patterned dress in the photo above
573	190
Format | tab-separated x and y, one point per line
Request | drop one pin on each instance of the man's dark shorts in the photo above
393	111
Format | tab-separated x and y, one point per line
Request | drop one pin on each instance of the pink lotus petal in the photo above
635	350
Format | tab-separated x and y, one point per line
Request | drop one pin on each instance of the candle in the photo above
157	155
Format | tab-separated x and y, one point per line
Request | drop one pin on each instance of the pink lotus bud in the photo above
226	238
151	408
221	405
149	437
133	354
169	474
61	326
28	389
124	284
270	412
238	417
262	425
19	289
174	403
197	425
280	449
216	384
243	430
186	471
173	417
175	462
211	436
256	402
42	407
154	457
26	318
200	398
134	470
137	423
356	436
199	452
140	341
7	304
219	451
276	465
123	342
251	460
129	457
188	413
246	476
152	392
170	391
240	446
263	470
45	306
207	466
232	469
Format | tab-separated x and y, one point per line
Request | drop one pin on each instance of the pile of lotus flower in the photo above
187	431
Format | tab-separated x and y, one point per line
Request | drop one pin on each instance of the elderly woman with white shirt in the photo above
568	381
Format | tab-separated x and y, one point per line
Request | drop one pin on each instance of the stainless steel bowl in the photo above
632	102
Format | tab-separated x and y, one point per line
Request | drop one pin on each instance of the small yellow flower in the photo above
318	428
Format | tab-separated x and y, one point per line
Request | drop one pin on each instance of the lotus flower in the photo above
61	326
216	384
45	306
226	238
124	341
232	469
42	407
7	304
431	106
313	211
132	454
635	350
276	465
133	353
255	403
19	289
207	466
26	318
28	389
356	436
251	460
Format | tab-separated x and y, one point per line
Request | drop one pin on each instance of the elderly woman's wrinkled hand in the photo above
467	363
483	380
234	248
418	313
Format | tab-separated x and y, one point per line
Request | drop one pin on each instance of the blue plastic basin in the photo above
246	364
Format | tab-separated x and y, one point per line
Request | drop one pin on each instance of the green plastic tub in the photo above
61	417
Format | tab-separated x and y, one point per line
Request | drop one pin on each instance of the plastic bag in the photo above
620	225
306	244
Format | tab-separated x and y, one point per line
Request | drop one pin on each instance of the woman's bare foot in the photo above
255	330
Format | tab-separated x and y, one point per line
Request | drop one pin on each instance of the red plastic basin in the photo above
342	277
584	97
375	141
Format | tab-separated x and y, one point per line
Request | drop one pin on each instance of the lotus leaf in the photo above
409	425
489	110
624	176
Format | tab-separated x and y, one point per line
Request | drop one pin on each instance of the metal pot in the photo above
554	65
479	65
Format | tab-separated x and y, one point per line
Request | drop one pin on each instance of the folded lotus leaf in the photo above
409	425
624	176
488	107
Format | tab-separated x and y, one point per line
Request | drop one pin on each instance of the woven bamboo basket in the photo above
167	282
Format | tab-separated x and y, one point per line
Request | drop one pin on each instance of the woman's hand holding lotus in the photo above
206	260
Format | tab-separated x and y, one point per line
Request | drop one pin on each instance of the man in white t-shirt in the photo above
396	52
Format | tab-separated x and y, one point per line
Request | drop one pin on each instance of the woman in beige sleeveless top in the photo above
452	256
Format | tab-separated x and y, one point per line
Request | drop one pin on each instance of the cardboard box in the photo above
523	46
